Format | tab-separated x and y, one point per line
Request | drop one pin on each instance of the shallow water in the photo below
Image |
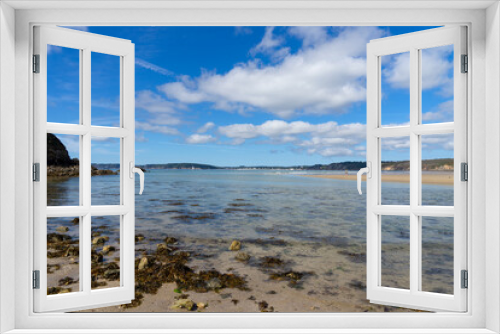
252	205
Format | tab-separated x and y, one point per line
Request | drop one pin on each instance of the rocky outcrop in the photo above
60	164
57	154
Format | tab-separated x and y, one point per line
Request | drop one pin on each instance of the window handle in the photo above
139	171
368	171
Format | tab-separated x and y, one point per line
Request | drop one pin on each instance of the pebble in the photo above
62	229
143	263
184	303
235	245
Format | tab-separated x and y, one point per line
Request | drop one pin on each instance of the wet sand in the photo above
440	179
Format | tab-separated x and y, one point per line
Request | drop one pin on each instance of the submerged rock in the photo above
214	283
107	249
99	240
271	262
235	245
242	257
62	229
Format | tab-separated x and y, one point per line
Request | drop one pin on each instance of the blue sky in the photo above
233	96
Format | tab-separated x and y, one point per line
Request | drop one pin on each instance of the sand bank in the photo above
443	179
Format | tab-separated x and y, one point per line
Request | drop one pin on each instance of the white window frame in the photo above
413	44
86	43
484	212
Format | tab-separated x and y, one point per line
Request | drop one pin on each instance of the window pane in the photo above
105	252
395	251
395	89
437	169
63	85
437	254
105	171
105	89
63	255
395	167
437	84
63	166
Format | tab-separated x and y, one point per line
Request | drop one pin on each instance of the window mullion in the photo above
414	170
86	237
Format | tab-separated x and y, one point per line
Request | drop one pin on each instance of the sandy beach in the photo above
441	179
268	275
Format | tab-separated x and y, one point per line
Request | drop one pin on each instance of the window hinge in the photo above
464	171
36	279
465	279
36	172
36	63
465	64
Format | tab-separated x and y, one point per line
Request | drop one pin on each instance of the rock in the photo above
57	154
170	240
159	247
112	274
201	306
107	249
62	229
214	283
235	245
76	221
99	240
139	237
97	258
144	263
263	306
184	304
242	257
72	251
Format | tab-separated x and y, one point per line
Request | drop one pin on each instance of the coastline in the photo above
439	179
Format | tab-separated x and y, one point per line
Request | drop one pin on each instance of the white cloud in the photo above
443	112
206	127
141	138
310	35
437	142
199	139
164	112
155	68
322	79
437	70
327	139
147	126
271	45
396	144
242	31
